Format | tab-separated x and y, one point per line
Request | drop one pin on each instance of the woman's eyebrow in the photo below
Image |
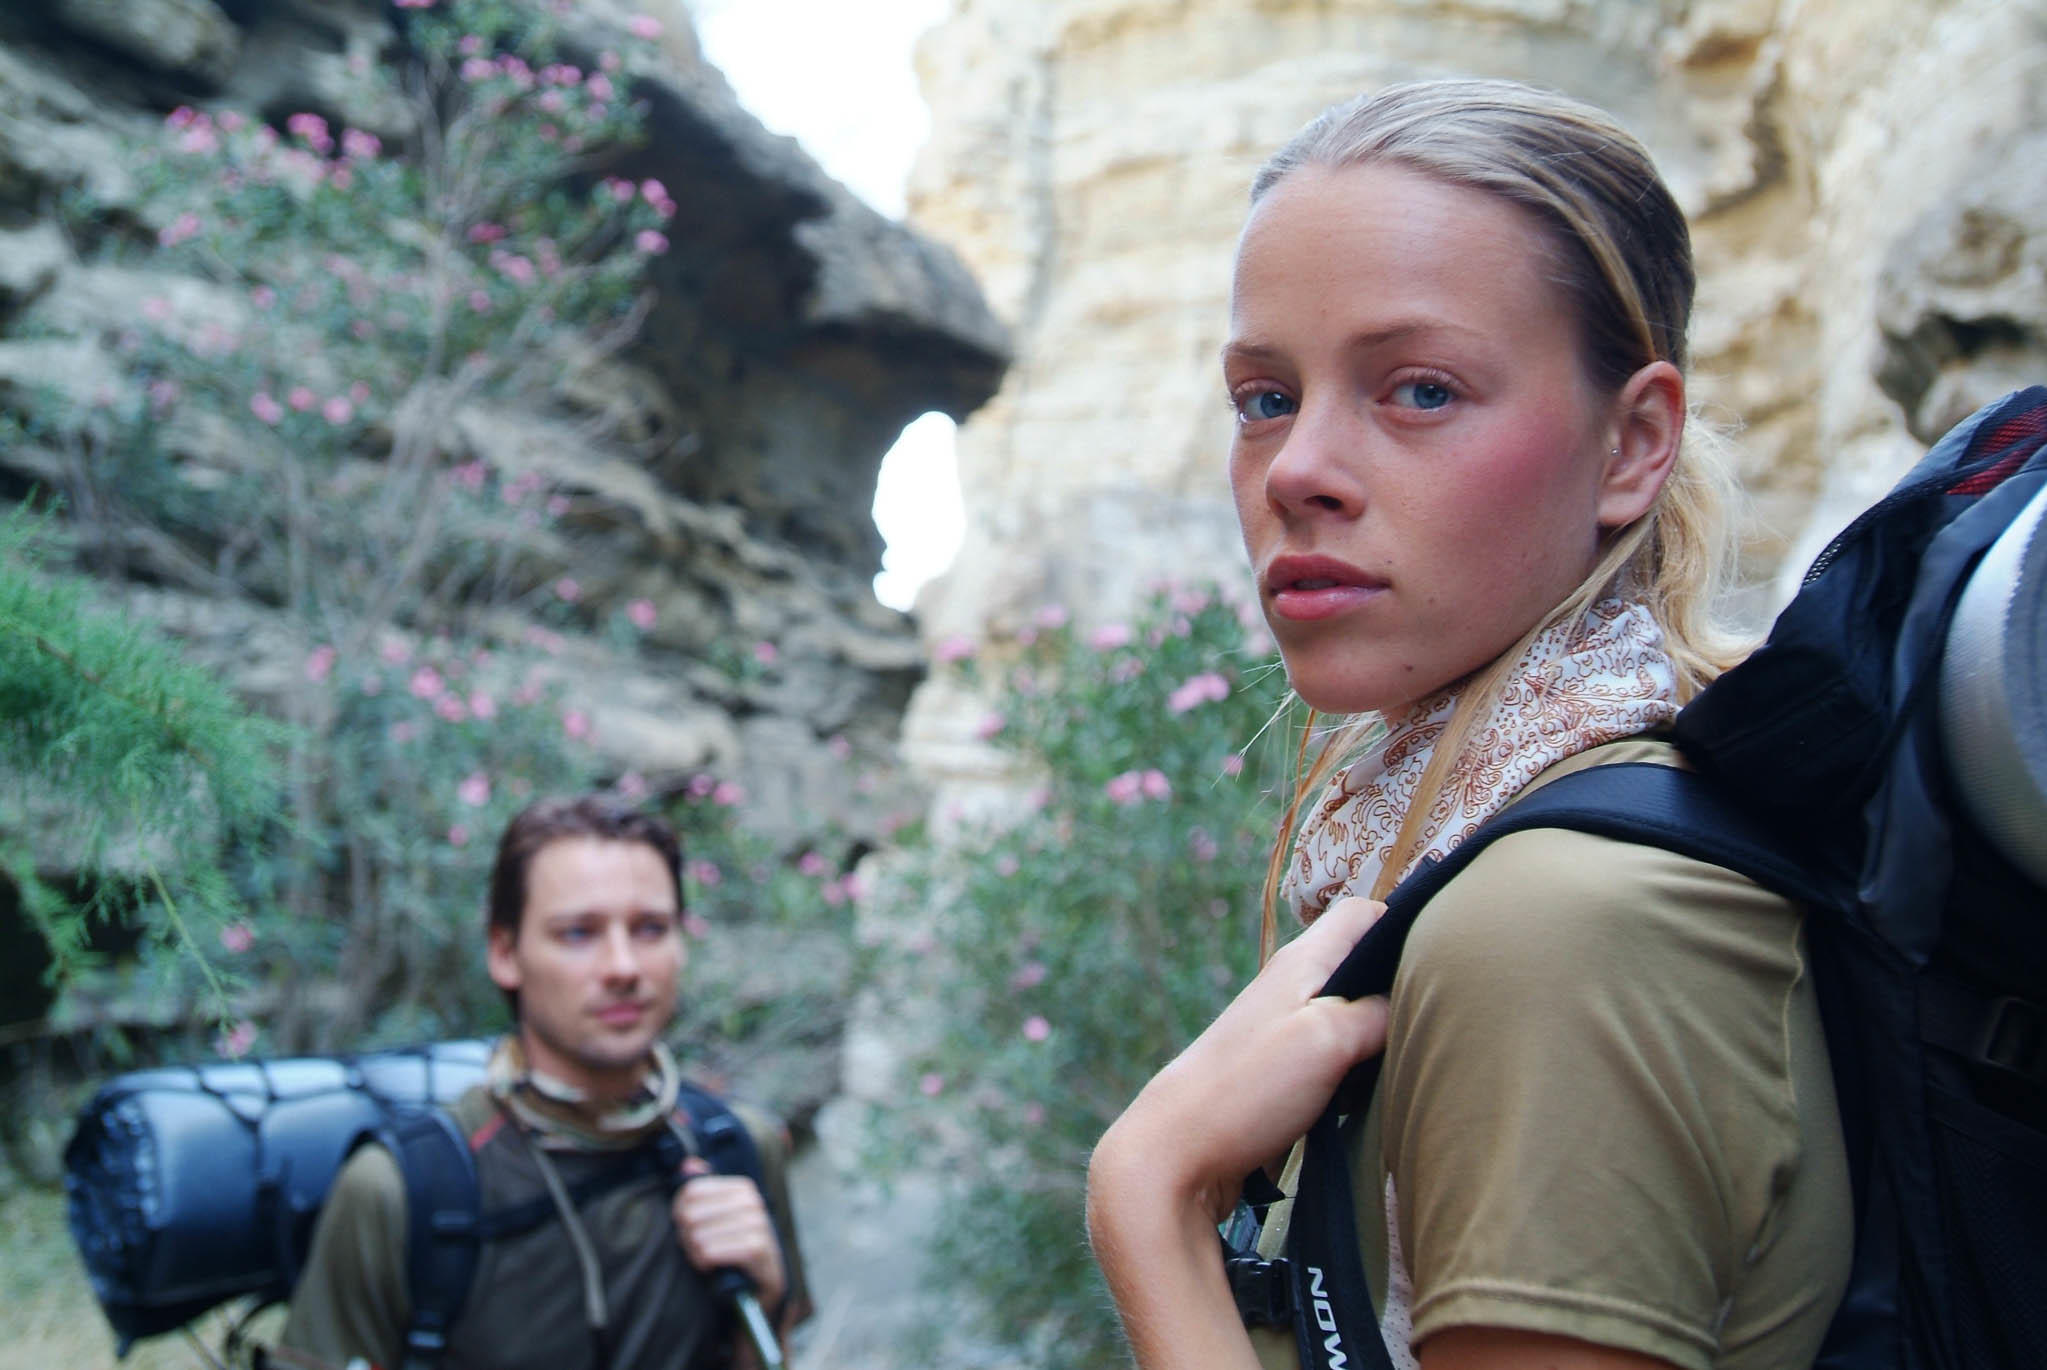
1398	330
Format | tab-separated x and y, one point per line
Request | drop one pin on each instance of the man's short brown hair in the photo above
549	820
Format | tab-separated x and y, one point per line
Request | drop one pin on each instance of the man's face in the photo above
596	960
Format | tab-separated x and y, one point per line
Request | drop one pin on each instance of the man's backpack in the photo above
189	1186
1822	773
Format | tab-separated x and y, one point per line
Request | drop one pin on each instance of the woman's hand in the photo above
1171	1168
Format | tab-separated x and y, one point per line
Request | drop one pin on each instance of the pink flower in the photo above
1202	845
1126	669
609	60
236	1041
265	408
458	835
319	662
1036	1029
813	865
450	708
301	398
952	649
182	117
641	614
1126	788
404	731
650	242
644	26
931	1085
1156	786
567	590
631	785
311	129
180	229
700	785
705	873
1198	690
1029	975
990	726
237	938
486	232
599	87
1233	764
652	191
1050	616
621	189
1109	636
766	653
833	893
471	44
557	505
414	4
551	101
695	925
728	794
1034	1114
479	301
337	410
427	683
474	790
576	723
394	651
1005	865
359	392
476	69
263	297
513	267
839	747
361	145
483	706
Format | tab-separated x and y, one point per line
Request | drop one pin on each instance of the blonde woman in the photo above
1605	1133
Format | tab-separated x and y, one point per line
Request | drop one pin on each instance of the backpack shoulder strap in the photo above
442	1200
721	1138
1661	806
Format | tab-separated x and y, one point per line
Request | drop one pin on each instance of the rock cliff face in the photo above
793	333
1859	177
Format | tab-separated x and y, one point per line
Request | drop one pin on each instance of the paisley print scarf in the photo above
1601	678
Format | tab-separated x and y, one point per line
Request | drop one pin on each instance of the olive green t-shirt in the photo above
1606	1109
354	1301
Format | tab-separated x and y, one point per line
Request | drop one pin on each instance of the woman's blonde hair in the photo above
1619	252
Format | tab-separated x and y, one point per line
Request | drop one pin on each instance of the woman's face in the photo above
1419	462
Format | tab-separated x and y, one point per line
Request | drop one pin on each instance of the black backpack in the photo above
188	1186
1821	775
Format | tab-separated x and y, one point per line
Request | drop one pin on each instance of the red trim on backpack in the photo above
481	1137
2026	429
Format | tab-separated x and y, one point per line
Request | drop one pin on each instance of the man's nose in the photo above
621	961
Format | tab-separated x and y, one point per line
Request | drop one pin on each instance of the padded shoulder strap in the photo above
1660	806
721	1138
442	1200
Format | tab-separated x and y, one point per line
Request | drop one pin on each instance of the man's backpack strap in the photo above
1659	806
720	1137
442	1202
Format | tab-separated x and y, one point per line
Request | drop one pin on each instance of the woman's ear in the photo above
1648	424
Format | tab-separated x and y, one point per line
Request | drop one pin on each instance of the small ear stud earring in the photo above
1616	451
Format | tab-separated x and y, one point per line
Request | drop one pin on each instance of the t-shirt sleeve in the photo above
1587	1105
771	1139
352	1301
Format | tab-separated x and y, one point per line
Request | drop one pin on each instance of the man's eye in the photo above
575	934
651	929
1260	405
1422	394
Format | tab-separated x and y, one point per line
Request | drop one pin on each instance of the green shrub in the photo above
1083	941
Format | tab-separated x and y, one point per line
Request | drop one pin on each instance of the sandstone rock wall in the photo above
1862	181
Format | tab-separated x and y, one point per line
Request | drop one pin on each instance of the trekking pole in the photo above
736	1289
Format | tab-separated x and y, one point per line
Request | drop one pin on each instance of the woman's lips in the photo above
1304	589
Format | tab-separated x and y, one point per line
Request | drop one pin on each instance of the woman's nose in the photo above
1320	465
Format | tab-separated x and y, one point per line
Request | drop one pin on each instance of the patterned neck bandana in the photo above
1605	677
562	1117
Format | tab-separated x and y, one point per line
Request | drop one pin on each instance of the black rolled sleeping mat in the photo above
191	1185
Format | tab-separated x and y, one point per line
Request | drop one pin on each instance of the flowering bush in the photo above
1084	942
300	411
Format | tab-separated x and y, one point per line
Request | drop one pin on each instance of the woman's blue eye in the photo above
1264	404
1422	394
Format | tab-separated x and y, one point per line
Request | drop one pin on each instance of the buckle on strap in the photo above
2014	1038
1262	1290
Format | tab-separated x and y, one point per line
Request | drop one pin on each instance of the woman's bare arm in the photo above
1170	1169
